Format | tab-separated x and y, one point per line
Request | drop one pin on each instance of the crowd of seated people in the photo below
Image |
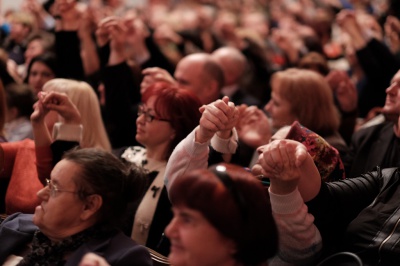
253	132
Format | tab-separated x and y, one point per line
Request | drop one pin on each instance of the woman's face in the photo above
34	48
195	242
39	74
155	133
279	109
60	211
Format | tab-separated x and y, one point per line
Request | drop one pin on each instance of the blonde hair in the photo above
86	101
310	97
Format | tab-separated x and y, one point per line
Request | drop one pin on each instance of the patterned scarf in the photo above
44	252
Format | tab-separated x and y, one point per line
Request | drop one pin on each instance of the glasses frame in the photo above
53	189
148	117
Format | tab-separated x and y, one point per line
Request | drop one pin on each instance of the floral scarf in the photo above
44	252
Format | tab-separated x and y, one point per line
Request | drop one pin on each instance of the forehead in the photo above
396	77
64	172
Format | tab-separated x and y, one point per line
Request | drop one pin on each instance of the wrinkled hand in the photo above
91	259
217	117
282	161
344	90
60	103
253	126
153	75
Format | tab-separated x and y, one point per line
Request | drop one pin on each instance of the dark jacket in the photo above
369	148
361	215
18	229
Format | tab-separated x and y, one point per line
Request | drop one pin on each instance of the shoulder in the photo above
18	222
122	250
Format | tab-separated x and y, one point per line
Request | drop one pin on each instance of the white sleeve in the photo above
299	239
68	132
187	155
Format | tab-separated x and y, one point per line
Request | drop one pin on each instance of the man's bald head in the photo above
232	62
201	74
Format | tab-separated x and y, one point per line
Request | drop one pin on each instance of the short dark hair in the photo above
117	182
255	234
20	96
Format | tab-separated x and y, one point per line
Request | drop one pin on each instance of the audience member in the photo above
197	72
20	99
362	208
20	159
41	69
234	64
80	207
377	145
221	217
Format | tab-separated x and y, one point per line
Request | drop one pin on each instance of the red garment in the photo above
20	167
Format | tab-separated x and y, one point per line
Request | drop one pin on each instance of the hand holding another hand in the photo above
217	117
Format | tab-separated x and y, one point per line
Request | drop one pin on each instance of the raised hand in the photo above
344	90
153	75
218	117
60	103
39	110
253	126
288	165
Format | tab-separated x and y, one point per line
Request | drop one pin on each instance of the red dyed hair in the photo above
179	106
255	235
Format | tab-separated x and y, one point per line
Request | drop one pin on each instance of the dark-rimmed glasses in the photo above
222	174
148	117
54	189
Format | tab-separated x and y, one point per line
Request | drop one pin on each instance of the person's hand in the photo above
91	259
344	90
392	33
117	36
60	103
282	161
153	75
39	111
88	24
218	117
253	126
102	32
347	21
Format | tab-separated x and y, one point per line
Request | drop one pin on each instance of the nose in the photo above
391	89
267	107
170	230
44	193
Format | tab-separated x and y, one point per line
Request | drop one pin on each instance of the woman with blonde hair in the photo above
86	101
28	163
305	96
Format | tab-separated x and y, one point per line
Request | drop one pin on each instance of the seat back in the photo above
157	258
343	259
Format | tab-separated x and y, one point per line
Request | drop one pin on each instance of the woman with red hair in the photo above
166	115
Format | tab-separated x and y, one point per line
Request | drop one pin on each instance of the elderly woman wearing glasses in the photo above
80	209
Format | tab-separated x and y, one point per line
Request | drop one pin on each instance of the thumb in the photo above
301	155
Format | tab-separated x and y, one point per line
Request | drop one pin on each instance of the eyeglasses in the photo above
221	173
148	117
54	190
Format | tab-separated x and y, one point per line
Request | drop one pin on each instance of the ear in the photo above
92	204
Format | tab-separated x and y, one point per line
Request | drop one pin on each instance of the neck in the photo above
158	153
62	234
